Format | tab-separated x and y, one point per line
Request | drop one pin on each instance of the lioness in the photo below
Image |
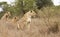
25	21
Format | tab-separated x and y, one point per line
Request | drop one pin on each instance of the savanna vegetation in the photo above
45	24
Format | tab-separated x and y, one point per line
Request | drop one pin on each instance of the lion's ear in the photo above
31	11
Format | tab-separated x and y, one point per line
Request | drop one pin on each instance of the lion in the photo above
15	19
25	21
6	16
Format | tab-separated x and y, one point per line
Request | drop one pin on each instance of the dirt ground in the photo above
39	28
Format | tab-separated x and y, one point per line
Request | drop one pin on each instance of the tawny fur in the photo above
6	16
25	20
15	19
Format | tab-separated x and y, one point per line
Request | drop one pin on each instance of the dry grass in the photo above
40	27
